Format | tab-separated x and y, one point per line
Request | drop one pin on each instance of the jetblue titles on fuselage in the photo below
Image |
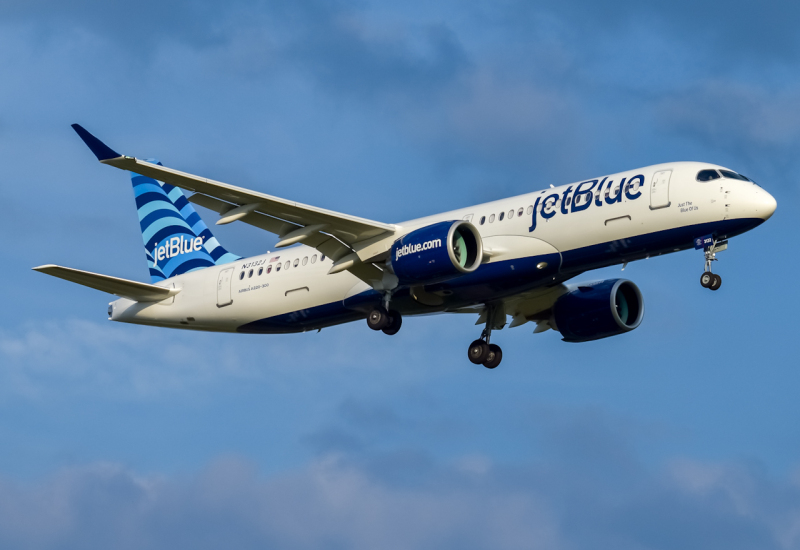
586	193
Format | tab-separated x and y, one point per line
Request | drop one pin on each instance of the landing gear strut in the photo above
708	279
482	352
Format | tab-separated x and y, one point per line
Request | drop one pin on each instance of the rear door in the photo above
659	190
224	287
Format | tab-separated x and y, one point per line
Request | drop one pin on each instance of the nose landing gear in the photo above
708	279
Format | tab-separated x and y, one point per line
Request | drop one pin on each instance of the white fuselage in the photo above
654	216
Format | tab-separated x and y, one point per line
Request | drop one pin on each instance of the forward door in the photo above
659	190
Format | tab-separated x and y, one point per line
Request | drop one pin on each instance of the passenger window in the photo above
520	212
530	210
483	219
501	216
260	271
569	200
732	175
510	214
296	262
286	265
250	274
277	268
305	260
322	258
241	275
269	269
314	259
707	175
491	218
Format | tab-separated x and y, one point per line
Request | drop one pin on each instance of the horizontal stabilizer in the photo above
124	288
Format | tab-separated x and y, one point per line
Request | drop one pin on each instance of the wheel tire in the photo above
378	319
706	279
478	352
494	358
716	283
395	322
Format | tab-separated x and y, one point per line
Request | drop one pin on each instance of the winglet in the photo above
100	149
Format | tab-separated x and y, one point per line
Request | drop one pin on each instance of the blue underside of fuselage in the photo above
497	280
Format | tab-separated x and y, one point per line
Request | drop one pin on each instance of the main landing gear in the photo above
481	351
384	319
388	321
708	279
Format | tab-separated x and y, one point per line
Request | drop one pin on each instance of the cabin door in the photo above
659	190
224	287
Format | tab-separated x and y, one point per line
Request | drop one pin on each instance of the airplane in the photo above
507	258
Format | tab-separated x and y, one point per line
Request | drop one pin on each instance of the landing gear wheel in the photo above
715	283
494	357
378	319
395	322
478	352
706	279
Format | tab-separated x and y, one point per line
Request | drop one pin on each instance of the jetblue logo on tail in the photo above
176	246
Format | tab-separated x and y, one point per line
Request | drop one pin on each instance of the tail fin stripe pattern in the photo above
176	239
146	198
146	187
211	242
159	226
174	195
156	207
192	219
160	222
142	195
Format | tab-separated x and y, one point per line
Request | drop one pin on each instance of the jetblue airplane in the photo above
504	259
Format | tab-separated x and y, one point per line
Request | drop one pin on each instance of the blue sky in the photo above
683	434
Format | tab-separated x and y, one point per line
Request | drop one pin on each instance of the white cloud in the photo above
333	503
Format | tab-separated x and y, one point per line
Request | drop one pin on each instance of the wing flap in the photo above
124	288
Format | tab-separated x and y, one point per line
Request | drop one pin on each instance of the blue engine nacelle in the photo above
437	253
598	310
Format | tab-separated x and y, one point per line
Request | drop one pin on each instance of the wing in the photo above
334	234
534	305
124	288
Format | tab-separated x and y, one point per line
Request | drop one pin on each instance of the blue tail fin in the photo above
175	239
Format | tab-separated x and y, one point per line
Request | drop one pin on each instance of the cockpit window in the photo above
707	175
733	175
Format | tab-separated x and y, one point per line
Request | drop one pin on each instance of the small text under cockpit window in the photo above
707	175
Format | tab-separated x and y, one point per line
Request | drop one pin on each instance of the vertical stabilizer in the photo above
175	239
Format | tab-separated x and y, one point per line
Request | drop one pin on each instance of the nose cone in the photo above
763	204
